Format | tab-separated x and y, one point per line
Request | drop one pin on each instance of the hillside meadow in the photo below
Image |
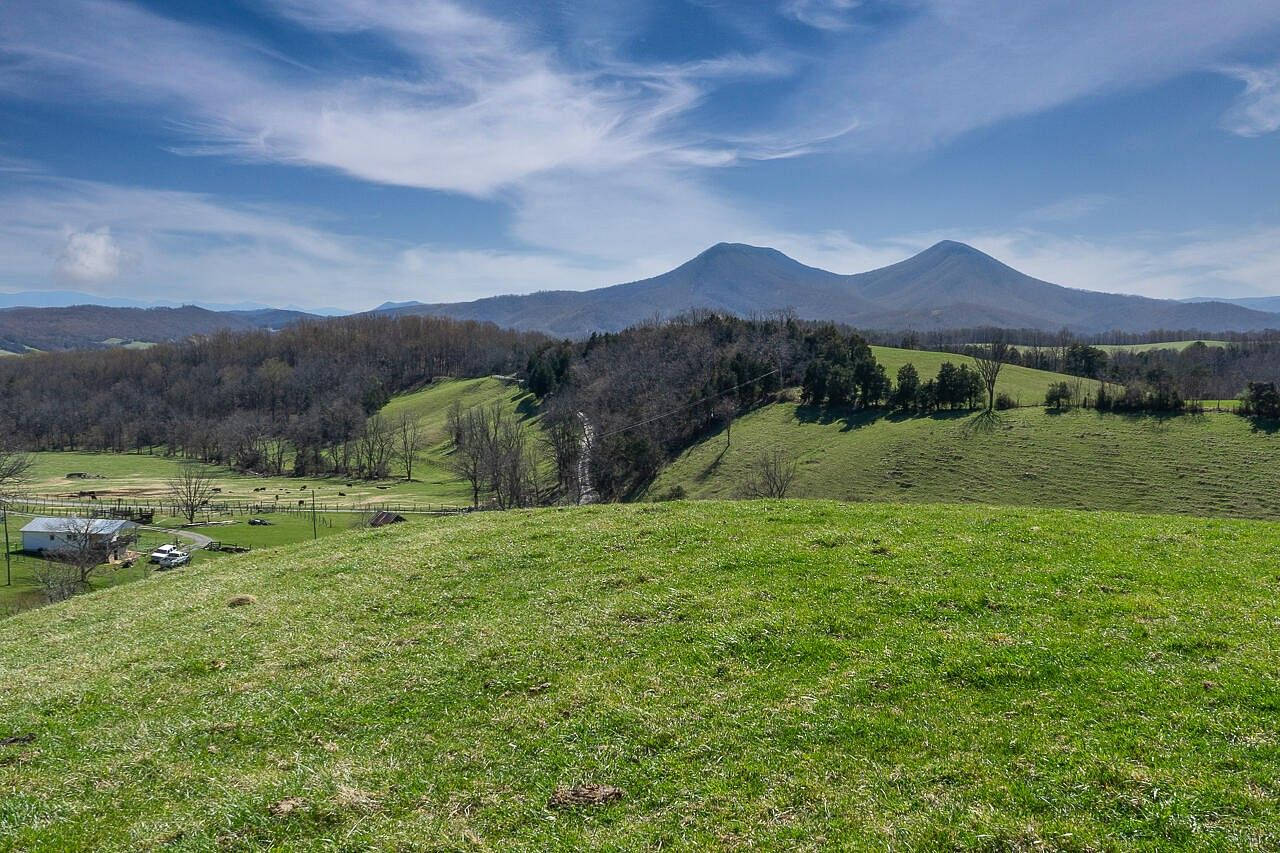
142	476
1211	464
772	675
1025	385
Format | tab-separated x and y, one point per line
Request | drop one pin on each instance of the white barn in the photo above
56	534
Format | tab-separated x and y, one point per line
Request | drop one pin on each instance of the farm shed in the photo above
56	534
382	519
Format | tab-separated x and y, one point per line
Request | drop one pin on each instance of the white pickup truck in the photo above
162	553
176	558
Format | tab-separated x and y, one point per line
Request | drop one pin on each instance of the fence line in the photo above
107	507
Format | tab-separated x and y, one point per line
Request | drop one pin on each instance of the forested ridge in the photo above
305	400
311	385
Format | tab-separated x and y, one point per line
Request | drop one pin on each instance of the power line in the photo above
689	405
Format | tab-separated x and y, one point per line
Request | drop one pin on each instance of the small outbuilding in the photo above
110	535
382	519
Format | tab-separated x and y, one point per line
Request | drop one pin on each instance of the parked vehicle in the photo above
163	552
175	559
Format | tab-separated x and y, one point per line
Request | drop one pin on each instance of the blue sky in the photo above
348	152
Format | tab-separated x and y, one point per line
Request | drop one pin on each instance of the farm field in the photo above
285	528
772	675
126	476
1174	345
1210	465
1024	384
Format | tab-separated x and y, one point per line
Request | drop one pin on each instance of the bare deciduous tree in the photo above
190	490
493	452
725	410
14	466
57	580
470	430
408	442
562	435
771	475
990	359
375	448
85	547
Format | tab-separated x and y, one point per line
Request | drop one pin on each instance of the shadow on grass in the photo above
528	406
851	418
1268	426
983	423
713	465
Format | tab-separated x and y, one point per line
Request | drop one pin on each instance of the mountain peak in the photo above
954	248
721	249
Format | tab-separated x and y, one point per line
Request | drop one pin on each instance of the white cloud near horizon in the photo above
227	253
91	256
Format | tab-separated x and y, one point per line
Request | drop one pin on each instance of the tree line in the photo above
301	400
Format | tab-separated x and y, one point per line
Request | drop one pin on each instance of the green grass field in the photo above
1024	384
286	528
136	476
759	675
1210	465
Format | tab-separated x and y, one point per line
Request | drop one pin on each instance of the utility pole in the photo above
8	569
314	534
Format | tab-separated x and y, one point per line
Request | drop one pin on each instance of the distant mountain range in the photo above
69	298
949	285
1257	303
96	326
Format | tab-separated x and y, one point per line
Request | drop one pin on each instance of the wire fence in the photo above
148	509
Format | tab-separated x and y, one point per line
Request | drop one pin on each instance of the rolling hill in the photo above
950	285
759	675
1206	465
89	326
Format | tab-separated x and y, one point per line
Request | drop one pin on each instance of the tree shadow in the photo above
983	423
849	418
1268	426
528	407
713	465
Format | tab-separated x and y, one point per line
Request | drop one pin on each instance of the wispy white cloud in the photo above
1257	110
821	14
959	65
1070	209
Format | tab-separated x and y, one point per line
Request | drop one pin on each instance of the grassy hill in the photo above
1024	384
1174	345
131	475
1211	465
771	675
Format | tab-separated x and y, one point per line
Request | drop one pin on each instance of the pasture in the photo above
1209	465
141	477
758	675
1024	384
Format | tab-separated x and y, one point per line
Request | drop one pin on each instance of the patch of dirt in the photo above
286	807
241	601
590	794
353	798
